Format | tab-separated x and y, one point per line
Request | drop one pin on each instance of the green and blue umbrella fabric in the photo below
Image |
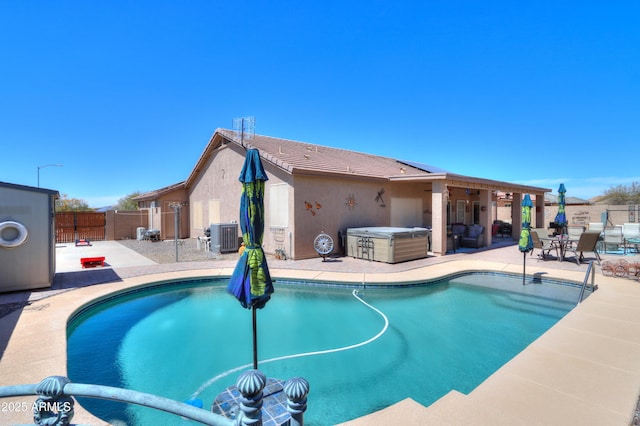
526	242
250	282
561	217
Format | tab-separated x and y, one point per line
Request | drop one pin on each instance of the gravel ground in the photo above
165	251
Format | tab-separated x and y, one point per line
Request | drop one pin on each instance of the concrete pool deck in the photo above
585	370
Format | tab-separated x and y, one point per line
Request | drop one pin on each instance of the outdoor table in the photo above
631	242
562	242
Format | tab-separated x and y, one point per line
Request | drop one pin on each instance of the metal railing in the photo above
55	405
592	271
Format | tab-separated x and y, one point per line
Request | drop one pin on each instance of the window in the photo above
196	214
279	205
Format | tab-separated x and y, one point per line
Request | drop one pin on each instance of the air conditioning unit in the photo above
224	237
140	233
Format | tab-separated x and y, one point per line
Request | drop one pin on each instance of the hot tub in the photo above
388	244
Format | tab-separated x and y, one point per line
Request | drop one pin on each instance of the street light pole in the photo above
42	167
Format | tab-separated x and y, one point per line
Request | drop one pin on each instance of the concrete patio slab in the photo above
584	370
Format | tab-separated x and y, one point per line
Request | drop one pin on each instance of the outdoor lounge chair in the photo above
542	242
613	237
631	235
587	243
574	232
473	237
596	226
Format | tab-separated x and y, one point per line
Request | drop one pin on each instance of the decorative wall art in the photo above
351	201
379	198
310	207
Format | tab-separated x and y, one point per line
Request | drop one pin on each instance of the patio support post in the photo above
439	197
539	211
296	390
485	215
250	385
516	213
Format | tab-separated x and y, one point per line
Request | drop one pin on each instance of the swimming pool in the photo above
175	338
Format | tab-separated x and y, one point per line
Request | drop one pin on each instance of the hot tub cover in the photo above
389	232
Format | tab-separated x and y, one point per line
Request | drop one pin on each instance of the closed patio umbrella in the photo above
250	282
525	244
561	217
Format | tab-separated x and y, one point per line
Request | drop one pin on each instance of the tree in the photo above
127	202
621	194
66	204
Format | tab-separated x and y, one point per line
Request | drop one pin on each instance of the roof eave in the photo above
323	173
214	142
457	179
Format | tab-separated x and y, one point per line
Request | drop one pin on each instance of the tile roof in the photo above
16	186
158	192
312	159
553	199
301	157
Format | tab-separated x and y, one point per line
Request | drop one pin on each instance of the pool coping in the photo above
584	370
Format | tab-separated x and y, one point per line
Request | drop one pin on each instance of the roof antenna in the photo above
245	128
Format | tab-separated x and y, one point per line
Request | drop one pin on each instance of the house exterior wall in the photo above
215	195
304	199
421	192
278	237
218	188
316	203
161	214
331	205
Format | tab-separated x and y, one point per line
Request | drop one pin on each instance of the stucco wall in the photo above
332	205
581	214
218	188
216	191
122	225
323	203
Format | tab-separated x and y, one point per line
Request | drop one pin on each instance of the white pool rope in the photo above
300	355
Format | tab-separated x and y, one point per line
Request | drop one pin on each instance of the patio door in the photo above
476	212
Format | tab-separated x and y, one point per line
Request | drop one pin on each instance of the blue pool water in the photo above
173	340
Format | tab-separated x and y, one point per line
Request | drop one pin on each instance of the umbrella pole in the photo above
524	265
255	339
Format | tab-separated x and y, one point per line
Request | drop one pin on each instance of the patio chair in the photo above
474	236
587	243
596	226
542	242
574	232
631	235
613	237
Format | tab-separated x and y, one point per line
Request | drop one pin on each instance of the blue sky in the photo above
537	93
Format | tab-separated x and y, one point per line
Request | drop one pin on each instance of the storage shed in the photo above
27	237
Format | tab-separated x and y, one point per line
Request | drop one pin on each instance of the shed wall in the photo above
32	264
